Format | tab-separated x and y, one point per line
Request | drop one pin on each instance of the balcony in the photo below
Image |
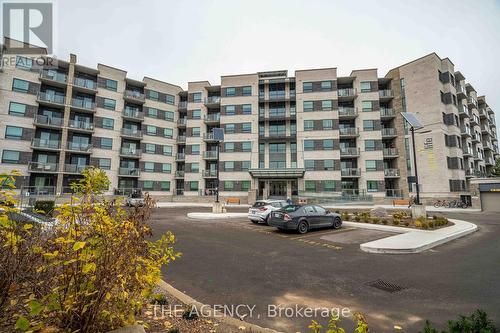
179	174
489	161
74	168
130	152
51	99
485	129
467	152
210	155
474	120
83	105
131	133
277	114
45	121
180	157
461	93
54	78
182	105
132	114
83	126
463	112
84	85
476	138
482	113
346	94
394	193
275	95
212	118
487	145
385	94
182	122
209	173
212	101
387	113
278	136
347	112
129	172
350	172
42	167
79	147
390	152
134	96
209	137
465	131
389	133
469	173
391	173
348	132
472	102
349	152
181	139
46	144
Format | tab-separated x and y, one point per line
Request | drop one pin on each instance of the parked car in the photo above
261	209
302	218
135	199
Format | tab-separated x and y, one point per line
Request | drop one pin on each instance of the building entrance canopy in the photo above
277	173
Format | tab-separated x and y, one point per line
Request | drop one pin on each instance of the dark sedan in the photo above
302	218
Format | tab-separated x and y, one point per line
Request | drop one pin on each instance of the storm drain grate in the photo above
385	286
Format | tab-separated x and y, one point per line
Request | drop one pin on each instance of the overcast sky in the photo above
180	41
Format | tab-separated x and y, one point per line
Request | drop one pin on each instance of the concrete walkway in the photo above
214	216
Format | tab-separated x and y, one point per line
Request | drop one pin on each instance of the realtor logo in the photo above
28	27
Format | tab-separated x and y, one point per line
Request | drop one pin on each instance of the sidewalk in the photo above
428	208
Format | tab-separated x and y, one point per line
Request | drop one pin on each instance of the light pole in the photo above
412	129
217	171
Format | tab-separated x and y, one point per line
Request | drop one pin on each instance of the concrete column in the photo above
288	189
67	111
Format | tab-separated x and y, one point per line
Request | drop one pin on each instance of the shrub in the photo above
418	223
173	330
159	299
338	212
357	218
45	207
375	220
434	217
476	322
384	221
345	216
333	325
407	223
431	224
396	221
425	225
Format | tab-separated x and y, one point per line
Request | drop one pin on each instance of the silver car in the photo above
135	199
261	209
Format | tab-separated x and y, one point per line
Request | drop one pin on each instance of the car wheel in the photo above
303	227
337	223
266	220
255	221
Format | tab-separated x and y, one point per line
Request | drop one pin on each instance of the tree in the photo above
495	172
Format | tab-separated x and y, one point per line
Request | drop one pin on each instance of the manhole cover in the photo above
385	286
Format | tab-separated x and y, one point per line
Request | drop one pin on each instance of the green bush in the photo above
345	216
173	330
45	207
396	221
159	299
425	225
431	224
357	218
375	220
477	322
407	223
384	221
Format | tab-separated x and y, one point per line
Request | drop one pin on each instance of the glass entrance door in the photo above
277	189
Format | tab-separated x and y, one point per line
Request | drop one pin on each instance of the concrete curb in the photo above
427	208
194	204
214	216
188	300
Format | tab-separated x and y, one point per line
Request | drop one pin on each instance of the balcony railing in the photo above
42	167
209	173
209	137
135	95
46	120
182	121
346	92
133	113
180	156
460	89
391	173
51	98
83	104
472	101
84	125
212	100
182	105
388	132
74	168
212	117
179	173
349	151
394	193
387	112
85	83
181	138
210	154
467	152
388	152
277	94
133	172
77	146
44	143
132	132
131	151
348	131
345	112
385	93
54	76
350	172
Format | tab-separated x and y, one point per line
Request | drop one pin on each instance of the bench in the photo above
401	202
233	201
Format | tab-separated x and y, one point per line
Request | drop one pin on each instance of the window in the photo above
153	95
10	156
13	132
372	185
367	106
245	165
166	168
329	186
229	147
152	112
245	185
197	97
168	133
368	125
326	105
106	143
371	165
231	91
366	87
328	165
246	128
195	132
326	85
108	123
308	145
246	91
228	185
20	85
150	130
110	84
230	128
328	144
109	104
17	109
193	186
228	166
308	106
150	148
24	63
164	185
170	99
104	163
230	110
195	149
369	145
310	185
309	164
148	185
308	125
327	124
246	146
247	108
169	116
197	114
149	166
307	86
167	150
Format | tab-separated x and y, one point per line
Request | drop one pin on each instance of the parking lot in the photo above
237	262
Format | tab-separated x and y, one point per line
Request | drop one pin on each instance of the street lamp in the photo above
414	125
218	135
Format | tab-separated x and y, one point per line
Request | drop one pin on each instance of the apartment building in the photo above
308	135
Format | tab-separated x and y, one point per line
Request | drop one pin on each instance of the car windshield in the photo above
258	204
290	208
136	195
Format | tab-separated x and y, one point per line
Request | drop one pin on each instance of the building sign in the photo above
493	187
428	143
